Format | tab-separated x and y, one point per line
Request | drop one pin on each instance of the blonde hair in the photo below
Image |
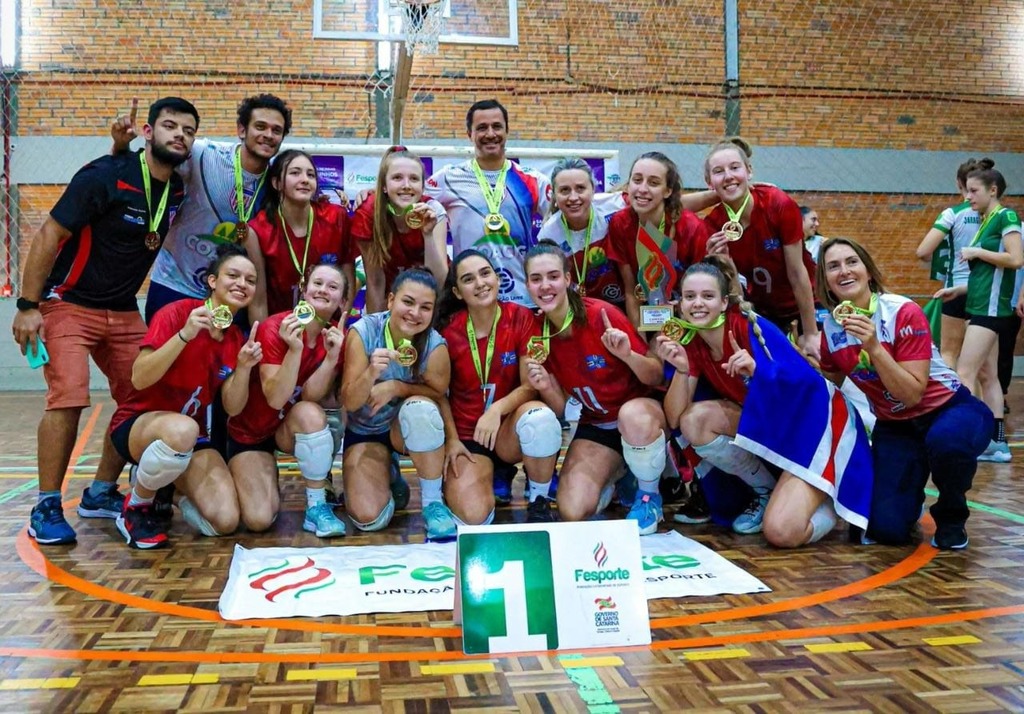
736	143
384	227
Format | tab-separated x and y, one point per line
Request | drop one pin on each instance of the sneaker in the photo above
672	490
539	511
626	488
503	485
332	497
694	510
47	524
750	520
140	527
440	522
163	504
106	505
553	490
647	512
399	486
997	451
950	537
321	521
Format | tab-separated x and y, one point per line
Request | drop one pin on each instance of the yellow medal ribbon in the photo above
482	371
581	272
690	330
153	218
291	251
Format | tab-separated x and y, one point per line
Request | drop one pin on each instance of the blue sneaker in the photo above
647	512
751	520
321	521
399	486
106	505
553	490
626	488
48	525
440	522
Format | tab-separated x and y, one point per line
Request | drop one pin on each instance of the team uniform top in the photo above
903	332
468	397
959	224
774	222
207	219
105	260
989	288
586	369
602	279
527	194
698	353
331	244
689	241
407	248
189	384
371	330
258	421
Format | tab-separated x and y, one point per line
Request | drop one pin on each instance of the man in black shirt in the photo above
79	285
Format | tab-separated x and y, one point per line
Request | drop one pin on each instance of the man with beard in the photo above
225	182
83	271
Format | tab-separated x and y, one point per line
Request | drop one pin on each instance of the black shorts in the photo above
998	325
957	307
119	438
352	439
475	447
605	437
235	447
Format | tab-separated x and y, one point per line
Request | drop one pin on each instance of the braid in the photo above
747	310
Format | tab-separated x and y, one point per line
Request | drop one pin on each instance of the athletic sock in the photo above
538	489
136	500
999	430
430	491
315	496
43	495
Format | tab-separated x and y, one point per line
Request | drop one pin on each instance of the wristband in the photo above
182	338
24	304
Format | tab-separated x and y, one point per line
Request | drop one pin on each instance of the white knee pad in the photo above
540	434
314	454
382	519
823	520
646	462
160	465
486	522
421	425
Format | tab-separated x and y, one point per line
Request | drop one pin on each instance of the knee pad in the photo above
646	462
421	425
540	434
486	522
314	454
160	465
823	520
382	519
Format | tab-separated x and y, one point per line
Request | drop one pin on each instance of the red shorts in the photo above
72	333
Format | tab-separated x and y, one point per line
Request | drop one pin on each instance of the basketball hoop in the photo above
422	23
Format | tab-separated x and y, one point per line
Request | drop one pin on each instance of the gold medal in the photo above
673	329
222	317
582	290
407	354
495	223
537	350
153	240
733	231
241	232
304	313
638	292
843	311
414	219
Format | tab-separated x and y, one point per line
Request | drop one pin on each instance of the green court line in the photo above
17	491
1015	517
591	688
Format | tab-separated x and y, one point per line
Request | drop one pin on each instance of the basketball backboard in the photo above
475	22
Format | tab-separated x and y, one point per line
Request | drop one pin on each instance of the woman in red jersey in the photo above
492	415
301	355
191	350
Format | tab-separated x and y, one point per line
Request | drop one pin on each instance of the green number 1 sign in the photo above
508	592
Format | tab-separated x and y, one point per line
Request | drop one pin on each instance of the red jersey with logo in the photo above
689	241
702	363
588	371
259	421
775	222
407	249
468	397
330	244
903	332
189	384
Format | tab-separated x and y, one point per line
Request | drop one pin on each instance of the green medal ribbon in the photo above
243	212
691	329
291	251
581	273
735	215
389	340
482	371
984	223
492	196
154	218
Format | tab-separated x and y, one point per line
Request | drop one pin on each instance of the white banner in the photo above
352	580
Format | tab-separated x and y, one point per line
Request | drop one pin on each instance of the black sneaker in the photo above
330	495
163	505
950	537
140	527
539	511
694	510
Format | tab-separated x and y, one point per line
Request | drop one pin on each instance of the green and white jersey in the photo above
959	224
989	288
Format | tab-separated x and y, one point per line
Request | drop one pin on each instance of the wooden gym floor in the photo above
99	627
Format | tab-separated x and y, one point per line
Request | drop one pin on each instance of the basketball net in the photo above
422	23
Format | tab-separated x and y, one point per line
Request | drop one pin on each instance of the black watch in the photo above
24	304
